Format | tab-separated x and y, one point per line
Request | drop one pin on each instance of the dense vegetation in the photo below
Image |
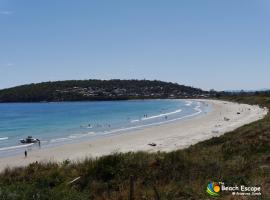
79	90
238	157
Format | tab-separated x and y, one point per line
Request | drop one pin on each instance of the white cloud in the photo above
7	65
10	64
6	12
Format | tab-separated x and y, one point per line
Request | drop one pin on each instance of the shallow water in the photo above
65	122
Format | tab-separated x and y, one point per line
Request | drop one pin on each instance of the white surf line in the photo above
15	147
60	139
197	108
4	138
79	135
161	115
135	120
70	137
188	103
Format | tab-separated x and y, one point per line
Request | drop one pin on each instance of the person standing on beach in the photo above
25	153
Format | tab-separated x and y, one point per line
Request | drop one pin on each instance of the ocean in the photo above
66	122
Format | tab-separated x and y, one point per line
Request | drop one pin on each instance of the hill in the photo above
85	90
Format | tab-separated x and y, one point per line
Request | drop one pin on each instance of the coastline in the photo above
167	137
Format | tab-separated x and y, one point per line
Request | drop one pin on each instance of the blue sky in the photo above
222	44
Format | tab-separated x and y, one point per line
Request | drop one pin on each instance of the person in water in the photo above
25	153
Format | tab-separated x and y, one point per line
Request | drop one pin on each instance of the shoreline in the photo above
16	149
179	134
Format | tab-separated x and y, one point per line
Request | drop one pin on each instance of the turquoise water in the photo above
65	122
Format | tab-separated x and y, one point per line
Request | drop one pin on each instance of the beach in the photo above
224	117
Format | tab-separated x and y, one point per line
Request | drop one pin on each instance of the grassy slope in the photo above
238	157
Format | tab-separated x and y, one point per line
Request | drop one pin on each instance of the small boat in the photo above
29	140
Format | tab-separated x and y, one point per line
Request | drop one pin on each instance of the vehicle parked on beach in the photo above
29	140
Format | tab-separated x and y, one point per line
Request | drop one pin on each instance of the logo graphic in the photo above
213	189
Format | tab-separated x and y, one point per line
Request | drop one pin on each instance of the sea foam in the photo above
197	108
15	147
162	115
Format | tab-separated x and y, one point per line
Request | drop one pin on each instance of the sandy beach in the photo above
224	117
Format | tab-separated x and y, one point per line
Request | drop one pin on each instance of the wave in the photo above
188	103
59	139
15	147
197	108
74	136
4	138
133	121
162	115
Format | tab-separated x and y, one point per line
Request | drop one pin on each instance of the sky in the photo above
210	44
